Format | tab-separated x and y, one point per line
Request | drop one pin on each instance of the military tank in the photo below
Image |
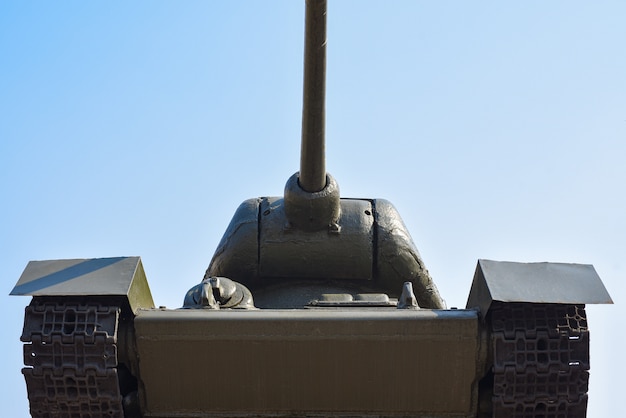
312	305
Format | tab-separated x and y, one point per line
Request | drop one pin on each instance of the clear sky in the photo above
498	129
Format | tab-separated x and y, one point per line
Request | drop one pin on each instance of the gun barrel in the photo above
312	155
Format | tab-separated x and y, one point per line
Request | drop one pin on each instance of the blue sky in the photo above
498	130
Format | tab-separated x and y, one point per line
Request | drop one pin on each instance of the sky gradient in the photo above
497	129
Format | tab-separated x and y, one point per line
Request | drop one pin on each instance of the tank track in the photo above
70	354
540	360
540	356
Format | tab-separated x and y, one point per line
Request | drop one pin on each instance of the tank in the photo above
312	305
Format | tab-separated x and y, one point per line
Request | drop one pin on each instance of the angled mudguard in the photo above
116	276
562	283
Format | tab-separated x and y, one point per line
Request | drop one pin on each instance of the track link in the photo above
540	360
70	354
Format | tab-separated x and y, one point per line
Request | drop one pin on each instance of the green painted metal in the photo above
326	362
351	323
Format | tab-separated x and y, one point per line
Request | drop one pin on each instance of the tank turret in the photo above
311	238
312	305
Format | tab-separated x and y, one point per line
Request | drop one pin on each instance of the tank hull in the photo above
518	350
337	362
